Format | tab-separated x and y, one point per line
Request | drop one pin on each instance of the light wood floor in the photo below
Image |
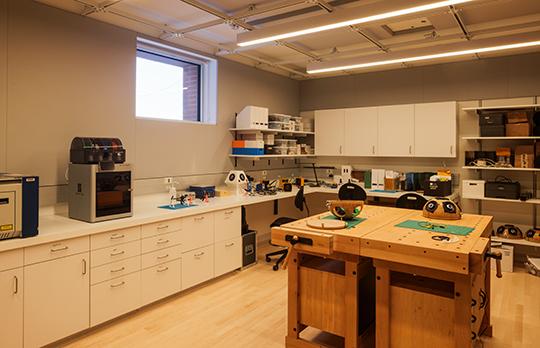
248	309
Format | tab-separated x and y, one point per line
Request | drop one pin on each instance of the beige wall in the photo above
68	76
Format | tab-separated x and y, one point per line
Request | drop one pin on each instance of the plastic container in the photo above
278	125
280	150
279	117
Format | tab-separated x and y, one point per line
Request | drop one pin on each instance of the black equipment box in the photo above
492	130
210	190
249	248
492	118
438	188
96	151
502	188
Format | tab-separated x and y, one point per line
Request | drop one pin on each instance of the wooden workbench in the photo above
428	292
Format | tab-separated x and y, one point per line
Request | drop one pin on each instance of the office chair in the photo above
352	192
299	202
411	201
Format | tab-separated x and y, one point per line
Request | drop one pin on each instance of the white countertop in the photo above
57	226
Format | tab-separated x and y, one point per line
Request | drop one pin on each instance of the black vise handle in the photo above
497	256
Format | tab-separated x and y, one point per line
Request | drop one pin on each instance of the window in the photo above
172	84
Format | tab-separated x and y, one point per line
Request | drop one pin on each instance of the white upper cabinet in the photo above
329	132
396	130
360	132
435	129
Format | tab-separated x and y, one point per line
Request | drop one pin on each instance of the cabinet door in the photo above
396	130
11	307
361	131
161	281
435	129
329	132
228	256
197	266
56	299
198	231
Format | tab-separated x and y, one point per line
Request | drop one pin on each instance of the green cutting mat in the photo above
350	223
450	229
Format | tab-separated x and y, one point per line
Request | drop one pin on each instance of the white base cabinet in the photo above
160	281
197	266
56	299
11	308
228	256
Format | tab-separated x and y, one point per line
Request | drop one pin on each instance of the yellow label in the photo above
8	227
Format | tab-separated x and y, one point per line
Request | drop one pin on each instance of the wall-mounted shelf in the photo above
273	131
255	157
501	138
503	168
529	201
502	107
515	241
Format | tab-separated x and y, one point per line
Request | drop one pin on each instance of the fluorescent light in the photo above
426	57
354	21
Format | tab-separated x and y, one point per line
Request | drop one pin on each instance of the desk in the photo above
424	288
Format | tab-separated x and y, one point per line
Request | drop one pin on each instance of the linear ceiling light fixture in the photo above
424	57
349	22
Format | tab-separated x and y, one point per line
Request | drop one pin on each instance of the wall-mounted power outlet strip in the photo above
168	181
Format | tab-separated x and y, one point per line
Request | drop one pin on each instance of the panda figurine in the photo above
509	232
533	235
441	208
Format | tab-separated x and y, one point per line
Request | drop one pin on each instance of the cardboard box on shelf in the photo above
518	129
524	156
518	116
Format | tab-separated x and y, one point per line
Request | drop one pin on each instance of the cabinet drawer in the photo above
198	231
161	281
161	241
111	238
115	270
228	256
197	266
228	224
167	226
55	250
115	297
115	253
11	259
161	256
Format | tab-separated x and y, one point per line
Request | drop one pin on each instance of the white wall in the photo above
69	76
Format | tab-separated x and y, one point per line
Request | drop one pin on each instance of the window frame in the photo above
207	96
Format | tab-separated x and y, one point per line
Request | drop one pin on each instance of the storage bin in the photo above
277	125
438	188
518	116
492	131
518	129
280	150
493	118
279	117
473	188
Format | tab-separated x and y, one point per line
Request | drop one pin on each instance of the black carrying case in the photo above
492	130
502	187
438	188
492	119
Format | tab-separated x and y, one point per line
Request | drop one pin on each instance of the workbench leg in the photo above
293	329
462	309
351	303
382	302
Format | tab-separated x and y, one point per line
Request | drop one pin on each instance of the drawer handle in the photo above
162	269
15	285
118	284
117	236
118	270
163	256
200	218
53	250
118	253
229	212
162	241
199	254
162	227
229	245
84	266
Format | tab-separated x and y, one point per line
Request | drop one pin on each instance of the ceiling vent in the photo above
409	26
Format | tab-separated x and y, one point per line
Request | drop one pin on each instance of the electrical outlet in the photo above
168	181
264	173
329	172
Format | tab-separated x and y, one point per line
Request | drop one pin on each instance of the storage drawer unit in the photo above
473	188
161	256
198	231
197	266
116	253
51	251
161	241
161	281
111	238
115	297
114	270
167	226
227	256
228	224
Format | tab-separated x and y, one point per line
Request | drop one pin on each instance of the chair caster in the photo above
268	259
275	267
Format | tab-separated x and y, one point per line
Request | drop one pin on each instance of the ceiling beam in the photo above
459	21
